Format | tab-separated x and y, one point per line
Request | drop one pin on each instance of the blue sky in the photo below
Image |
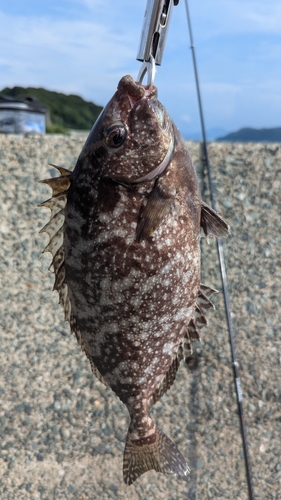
85	46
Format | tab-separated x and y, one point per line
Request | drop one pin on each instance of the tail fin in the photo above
162	455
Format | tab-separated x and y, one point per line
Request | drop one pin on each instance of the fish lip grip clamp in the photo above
154	32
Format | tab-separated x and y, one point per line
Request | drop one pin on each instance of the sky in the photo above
84	47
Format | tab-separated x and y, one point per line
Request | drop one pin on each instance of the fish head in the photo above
132	140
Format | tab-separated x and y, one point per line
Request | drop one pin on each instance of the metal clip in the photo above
156	22
149	68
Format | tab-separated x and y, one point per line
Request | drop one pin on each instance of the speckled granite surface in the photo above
62	432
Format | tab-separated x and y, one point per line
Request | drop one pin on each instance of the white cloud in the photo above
78	54
236	16
186	118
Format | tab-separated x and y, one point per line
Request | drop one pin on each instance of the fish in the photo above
125	234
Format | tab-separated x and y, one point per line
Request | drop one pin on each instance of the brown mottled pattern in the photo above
132	300
131	272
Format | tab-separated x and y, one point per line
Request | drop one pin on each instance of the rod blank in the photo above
235	365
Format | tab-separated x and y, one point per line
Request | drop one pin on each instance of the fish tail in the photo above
156	452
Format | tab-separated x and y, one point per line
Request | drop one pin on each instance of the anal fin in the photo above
199	320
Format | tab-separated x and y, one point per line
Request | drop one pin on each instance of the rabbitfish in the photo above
124	235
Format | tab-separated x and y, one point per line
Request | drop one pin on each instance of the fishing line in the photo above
223	274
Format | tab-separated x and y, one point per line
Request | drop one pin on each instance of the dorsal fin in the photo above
63	171
55	230
212	223
95	370
55	242
54	224
58	184
56	203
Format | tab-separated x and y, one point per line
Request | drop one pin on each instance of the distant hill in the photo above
67	111
253	135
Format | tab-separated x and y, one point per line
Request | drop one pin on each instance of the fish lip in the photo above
149	92
135	91
133	101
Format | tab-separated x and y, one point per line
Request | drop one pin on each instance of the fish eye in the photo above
115	135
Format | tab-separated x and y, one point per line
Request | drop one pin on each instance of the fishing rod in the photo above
235	364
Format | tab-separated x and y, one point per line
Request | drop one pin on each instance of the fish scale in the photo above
124	234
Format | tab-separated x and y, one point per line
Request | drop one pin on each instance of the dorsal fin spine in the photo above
63	171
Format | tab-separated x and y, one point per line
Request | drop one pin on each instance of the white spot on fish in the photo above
168	347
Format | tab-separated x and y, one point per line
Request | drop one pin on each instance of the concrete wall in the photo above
63	432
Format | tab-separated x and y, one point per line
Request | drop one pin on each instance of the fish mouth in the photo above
149	92
135	90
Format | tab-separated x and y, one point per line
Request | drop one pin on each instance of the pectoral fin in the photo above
153	212
212	222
